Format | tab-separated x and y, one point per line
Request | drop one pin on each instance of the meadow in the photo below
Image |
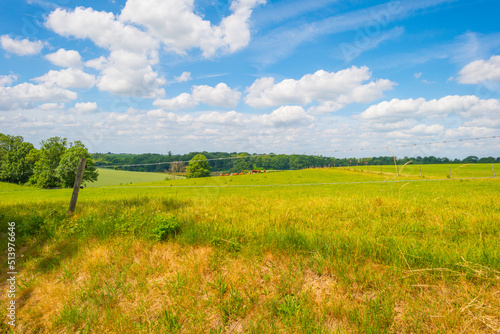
339	250
113	177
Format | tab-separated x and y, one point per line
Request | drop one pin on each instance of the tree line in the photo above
237	162
52	166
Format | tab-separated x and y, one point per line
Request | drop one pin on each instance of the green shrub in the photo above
165	227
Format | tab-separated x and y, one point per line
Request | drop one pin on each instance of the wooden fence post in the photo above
420	170
493	168
449	167
76	187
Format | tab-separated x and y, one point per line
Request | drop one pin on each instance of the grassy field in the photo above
108	177
310	251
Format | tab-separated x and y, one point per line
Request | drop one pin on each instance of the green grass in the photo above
108	177
437	171
346	251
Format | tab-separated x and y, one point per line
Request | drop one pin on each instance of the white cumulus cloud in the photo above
223	118
85	107
65	58
177	25
6	80
100	27
182	101
220	96
185	76
25	94
67	78
468	106
481	71
133	52
97	63
287	116
51	106
20	47
332	90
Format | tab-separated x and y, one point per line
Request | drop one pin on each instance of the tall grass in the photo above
364	258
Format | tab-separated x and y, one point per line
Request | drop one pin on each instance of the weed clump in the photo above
165	227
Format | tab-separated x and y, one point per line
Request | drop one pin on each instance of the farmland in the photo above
339	250
115	177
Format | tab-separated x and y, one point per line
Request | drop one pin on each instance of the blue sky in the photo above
253	75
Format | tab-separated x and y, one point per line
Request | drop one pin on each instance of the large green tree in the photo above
16	162
198	167
51	151
66	170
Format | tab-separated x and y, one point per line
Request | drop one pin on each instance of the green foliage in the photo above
69	163
16	159
198	167
51	152
165	227
55	164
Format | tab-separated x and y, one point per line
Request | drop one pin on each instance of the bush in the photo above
165	227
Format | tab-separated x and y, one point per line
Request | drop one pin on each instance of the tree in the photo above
51	151
16	164
241	164
198	167
295	162
66	170
471	159
176	167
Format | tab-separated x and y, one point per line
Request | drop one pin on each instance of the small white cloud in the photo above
424	130
220	95
427	82
97	63
65	58
183	101
20	47
185	76
67	78
417	75
480	71
51	106
85	108
287	116
223	118
7	80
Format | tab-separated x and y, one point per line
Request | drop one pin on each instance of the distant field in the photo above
437	171
308	251
109	177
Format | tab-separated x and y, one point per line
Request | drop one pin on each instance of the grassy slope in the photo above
400	257
109	177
